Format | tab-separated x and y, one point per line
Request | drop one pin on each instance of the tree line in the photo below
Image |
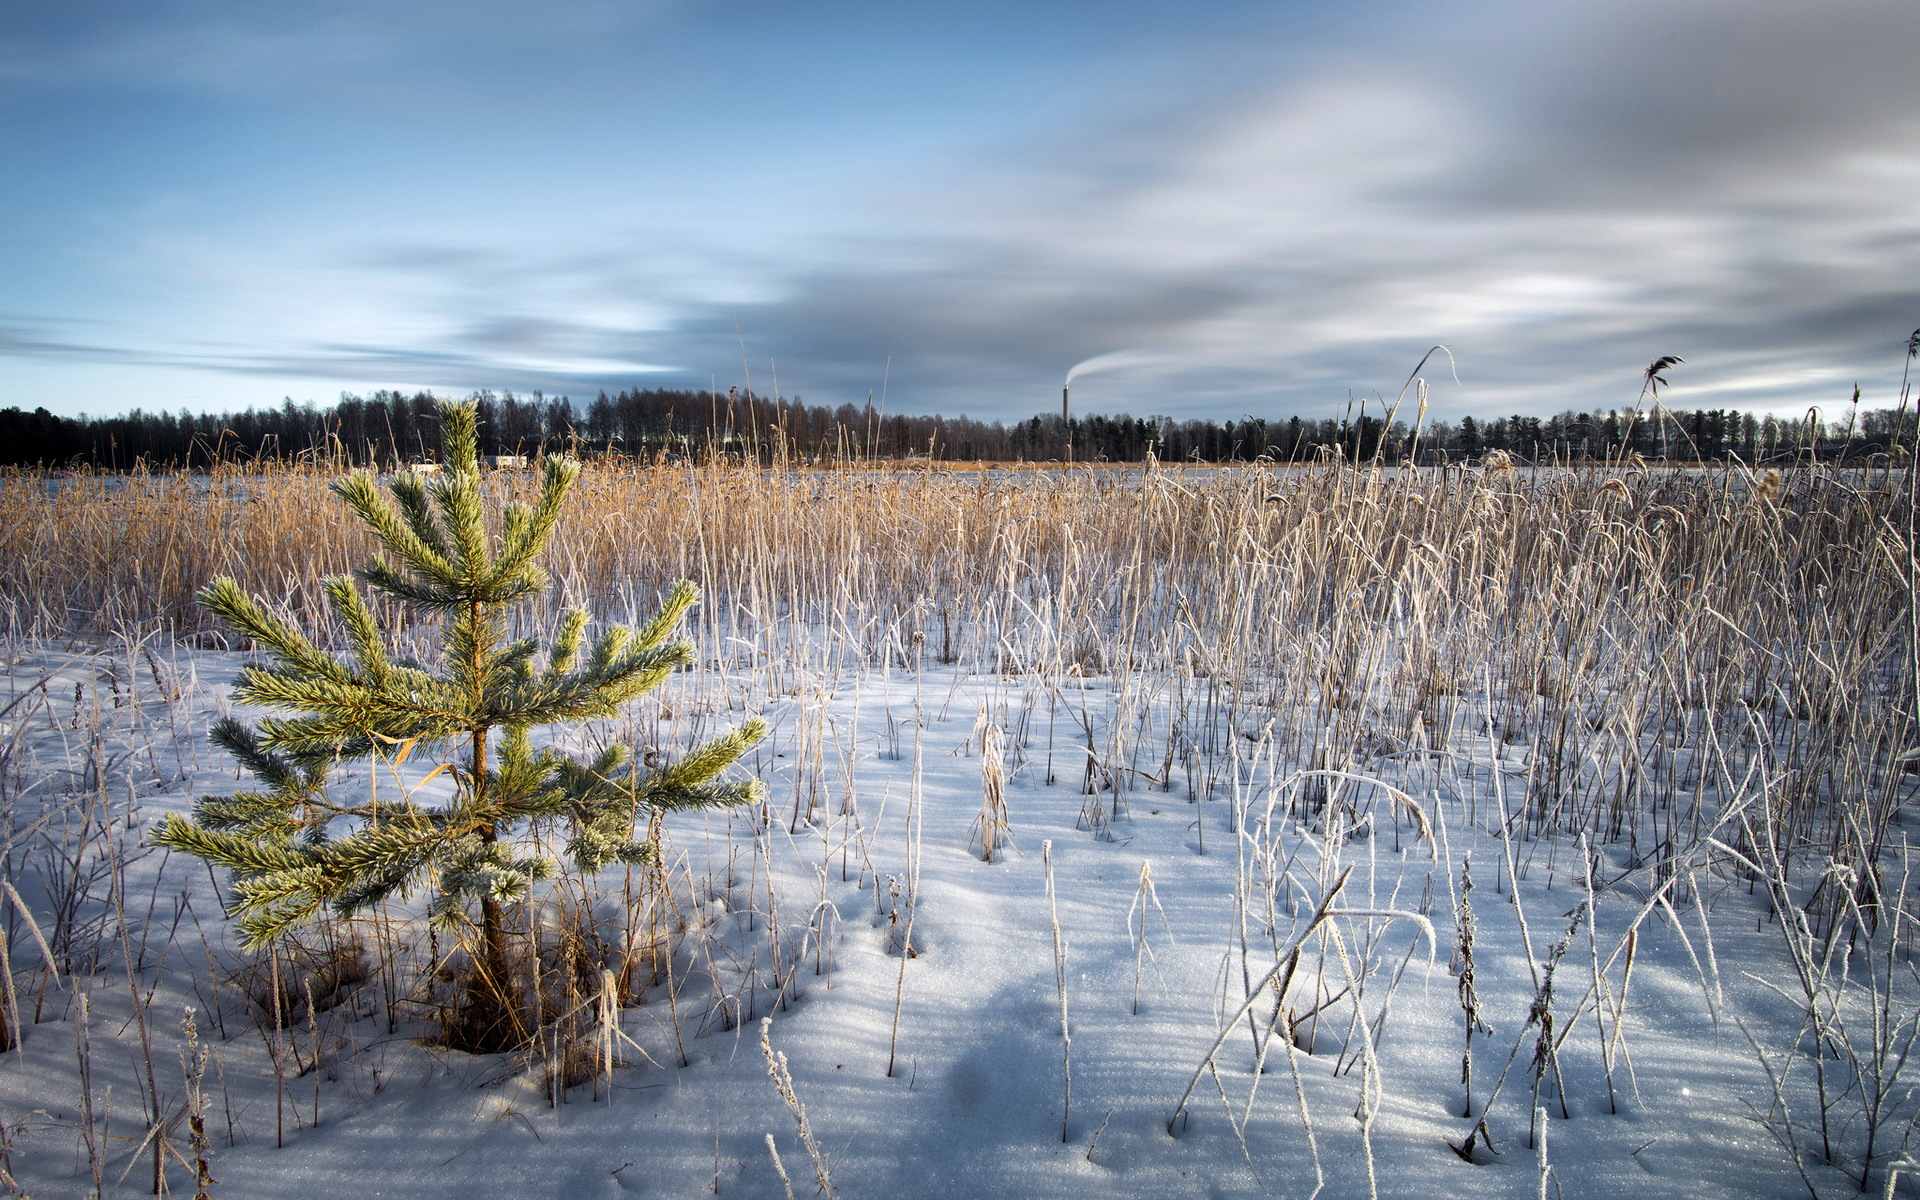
390	428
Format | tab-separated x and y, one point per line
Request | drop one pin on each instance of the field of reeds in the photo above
1618	762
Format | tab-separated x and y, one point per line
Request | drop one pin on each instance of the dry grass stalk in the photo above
993	824
193	1062
1630	653
783	1084
1060	985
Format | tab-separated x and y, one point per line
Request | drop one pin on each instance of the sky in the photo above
1229	208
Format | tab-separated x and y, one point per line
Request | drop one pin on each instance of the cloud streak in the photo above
1558	193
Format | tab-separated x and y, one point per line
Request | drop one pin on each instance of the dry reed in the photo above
1629	657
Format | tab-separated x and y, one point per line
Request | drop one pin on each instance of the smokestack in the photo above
1063	404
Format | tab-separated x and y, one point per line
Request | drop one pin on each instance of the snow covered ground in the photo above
875	780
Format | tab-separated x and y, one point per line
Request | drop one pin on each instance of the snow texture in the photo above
875	787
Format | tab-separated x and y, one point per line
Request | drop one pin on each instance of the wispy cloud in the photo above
1642	181
1559	193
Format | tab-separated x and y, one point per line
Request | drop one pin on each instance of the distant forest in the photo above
389	428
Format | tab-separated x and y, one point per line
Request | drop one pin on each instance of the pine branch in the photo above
703	796
400	536
254	814
420	596
711	759
238	740
674	609
362	630
567	639
458	423
457	495
239	852
411	498
528	529
224	599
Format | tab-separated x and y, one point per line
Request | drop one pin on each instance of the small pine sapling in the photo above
298	850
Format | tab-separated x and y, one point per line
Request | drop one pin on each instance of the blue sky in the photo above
1252	208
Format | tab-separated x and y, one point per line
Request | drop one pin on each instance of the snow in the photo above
974	1104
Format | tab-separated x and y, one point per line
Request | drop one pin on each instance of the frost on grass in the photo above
1590	784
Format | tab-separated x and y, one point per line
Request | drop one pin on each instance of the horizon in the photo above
391	427
1236	209
1370	407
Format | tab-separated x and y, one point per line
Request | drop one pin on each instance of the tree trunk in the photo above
489	1020
494	933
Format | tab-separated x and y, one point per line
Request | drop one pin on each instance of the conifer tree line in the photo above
389	428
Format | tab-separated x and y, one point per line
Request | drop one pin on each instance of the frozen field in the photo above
1246	782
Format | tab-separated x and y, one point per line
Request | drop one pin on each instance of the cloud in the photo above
23	342
344	49
1558	193
1638	181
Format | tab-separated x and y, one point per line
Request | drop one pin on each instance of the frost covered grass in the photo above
1594	780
